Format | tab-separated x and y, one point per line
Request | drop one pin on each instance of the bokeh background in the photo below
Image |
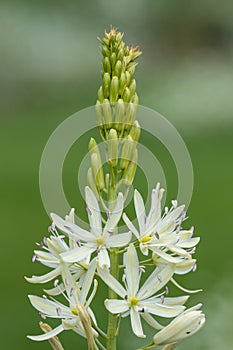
50	68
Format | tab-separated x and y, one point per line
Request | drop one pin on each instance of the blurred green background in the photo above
50	68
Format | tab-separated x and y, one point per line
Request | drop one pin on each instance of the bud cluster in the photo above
117	101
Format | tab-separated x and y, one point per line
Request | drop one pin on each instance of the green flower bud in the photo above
122	83
97	169
132	87
91	183
112	147
131	70
119	114
114	89
105	51
107	65
98	112
107	113
129	173
113	60
106	84
135	131
128	78
120	54
131	111
126	95
107	179
135	99
127	152
118	68
100	94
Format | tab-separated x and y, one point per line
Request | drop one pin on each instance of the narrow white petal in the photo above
118	240
116	214
112	282
47	335
131	227
103	259
157	280
140	210
178	251
169	258
185	289
161	309
70	228
188	243
49	307
77	254
93	211
116	306
44	278
136	323
87	281
151	321
132	270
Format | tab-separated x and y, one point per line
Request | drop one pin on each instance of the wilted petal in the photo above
47	335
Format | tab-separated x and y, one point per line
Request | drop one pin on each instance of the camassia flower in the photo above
50	256
138	301
183	326
162	234
98	239
77	313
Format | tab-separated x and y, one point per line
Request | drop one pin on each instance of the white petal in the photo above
156	281
136	323
130	225
115	216
47	335
44	278
70	228
77	254
178	251
49	307
94	214
161	309
116	306
169	258
112	282
118	240
87	281
132	270
140	210
155	211
188	243
184	289
103	258
151	321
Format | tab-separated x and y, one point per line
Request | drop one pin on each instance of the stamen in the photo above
162	299
78	243
126	297
110	231
166	210
68	228
141	310
42	315
142	268
157	235
71	291
58	310
159	278
166	290
89	210
174	203
194	267
56	283
51	228
45	241
108	213
34	258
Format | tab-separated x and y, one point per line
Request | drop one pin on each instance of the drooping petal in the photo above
119	240
115	216
77	254
116	306
103	258
157	280
49	307
93	211
169	258
136	323
188	243
47	335
151	321
45	278
132	270
112	282
140	210
130	226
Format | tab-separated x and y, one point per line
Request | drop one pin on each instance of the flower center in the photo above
100	240
145	239
74	311
133	301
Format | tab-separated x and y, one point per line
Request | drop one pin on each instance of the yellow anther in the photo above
145	239
100	240
133	301
74	311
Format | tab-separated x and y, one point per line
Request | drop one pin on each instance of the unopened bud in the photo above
91	183
135	131
129	173
126	95
119	114
98	113
122	83
100	94
105	51
97	171
106	84
86	322
120	54
107	65
107	113
113	60
131	111
132	87
118	68
113	148
131	69
127	152
128	78
114	89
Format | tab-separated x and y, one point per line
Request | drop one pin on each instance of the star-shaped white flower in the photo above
140	301
98	239
161	233
50	256
77	304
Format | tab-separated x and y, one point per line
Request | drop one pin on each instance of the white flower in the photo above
98	239
138	301
161	233
183	326
77	301
50	257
